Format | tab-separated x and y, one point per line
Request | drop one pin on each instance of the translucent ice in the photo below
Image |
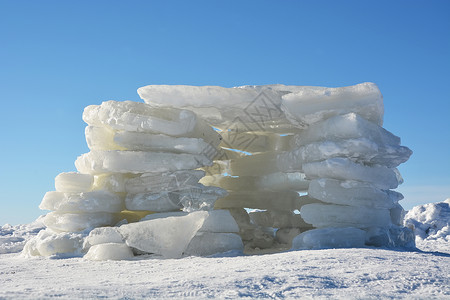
278	219
341	127
168	237
96	162
354	193
346	237
345	169
48	243
95	201
158	182
312	105
208	243
109	251
72	182
330	215
102	235
140	117
71	222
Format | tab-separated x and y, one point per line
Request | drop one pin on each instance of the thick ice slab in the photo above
158	182
278	181
342	127
330	215
392	237
254	142
310	106
72	182
353	193
193	198
102	235
360	150
71	222
134	116
113	182
208	243
109	251
347	237
95	201
96	162
345	169
168	237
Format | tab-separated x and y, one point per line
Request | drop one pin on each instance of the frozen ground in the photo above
365	273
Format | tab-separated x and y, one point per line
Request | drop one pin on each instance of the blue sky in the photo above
56	57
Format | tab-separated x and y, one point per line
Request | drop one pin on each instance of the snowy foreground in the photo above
365	273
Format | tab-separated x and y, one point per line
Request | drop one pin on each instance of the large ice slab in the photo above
278	219
353	193
331	215
168	237
72	222
312	105
72	182
346	237
360	150
95	201
345	169
96	162
208	243
342	127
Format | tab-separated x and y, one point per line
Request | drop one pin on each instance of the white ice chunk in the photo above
310	106
96	162
349	126
347	237
168	237
102	235
330	215
95	201
101	138
70	222
48	243
158	182
109	251
208	243
358	150
345	169
72	182
134	116
354	193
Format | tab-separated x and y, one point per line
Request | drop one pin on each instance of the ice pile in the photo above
143	160
286	167
281	142
431	223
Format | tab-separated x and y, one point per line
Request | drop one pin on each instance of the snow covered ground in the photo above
366	273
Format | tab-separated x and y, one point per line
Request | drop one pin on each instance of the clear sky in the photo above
56	57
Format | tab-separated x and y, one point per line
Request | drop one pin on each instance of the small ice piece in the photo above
48	243
346	237
158	182
208	243
168	237
359	150
349	126
102	235
72	182
71	222
97	162
353	193
330	215
140	117
312	105
345	169
287	200
109	251
95	201
278	219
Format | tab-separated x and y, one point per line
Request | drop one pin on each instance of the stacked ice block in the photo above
283	141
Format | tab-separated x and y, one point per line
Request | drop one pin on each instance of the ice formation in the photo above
211	169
